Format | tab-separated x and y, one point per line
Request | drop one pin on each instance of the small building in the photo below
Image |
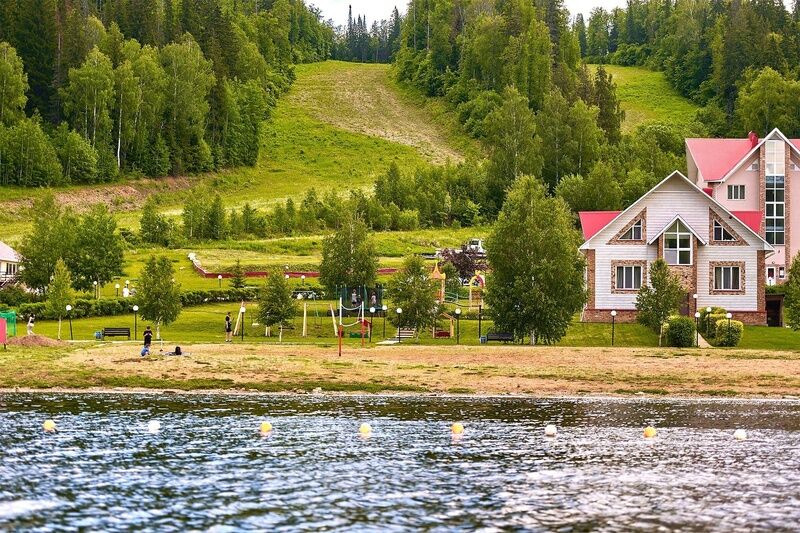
9	264
718	256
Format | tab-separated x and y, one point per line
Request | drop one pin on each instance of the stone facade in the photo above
713	216
742	276
590	277
615	264
642	216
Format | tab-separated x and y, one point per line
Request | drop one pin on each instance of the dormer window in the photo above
721	233
634	233
678	244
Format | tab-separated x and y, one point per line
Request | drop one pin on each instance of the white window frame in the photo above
635	277
720	278
782	272
775	210
722	232
736	192
678	231
632	230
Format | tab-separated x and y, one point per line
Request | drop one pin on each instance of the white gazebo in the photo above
9	264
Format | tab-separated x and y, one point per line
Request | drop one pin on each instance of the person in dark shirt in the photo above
148	339
228	328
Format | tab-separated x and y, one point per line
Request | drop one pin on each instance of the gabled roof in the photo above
7	254
635	205
670	223
716	159
594	221
751	219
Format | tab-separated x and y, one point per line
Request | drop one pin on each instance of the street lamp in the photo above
399	313
135	312
729	316
384	308
69	315
116	288
242	310
96	293
694	296
219	279
613	325
458	325
708	312
302	280
126	292
371	318
696	328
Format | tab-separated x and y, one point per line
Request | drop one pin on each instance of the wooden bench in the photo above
117	332
442	334
501	337
407	334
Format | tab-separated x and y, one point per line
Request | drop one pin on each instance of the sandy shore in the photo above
539	371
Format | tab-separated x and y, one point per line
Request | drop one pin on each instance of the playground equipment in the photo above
438	333
477	284
441	277
361	321
11	322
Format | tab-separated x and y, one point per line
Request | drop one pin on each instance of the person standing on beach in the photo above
228	328
31	321
148	339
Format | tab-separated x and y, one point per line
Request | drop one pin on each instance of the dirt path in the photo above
359	98
478	370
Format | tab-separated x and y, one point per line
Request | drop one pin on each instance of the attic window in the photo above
722	234
753	166
678	244
634	233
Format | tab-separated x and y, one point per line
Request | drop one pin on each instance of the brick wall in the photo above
604	315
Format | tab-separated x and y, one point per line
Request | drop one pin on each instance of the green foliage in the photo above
275	303
413	290
791	307
536	284
59	292
660	298
27	157
766	101
154	228
51	239
600	191
13	85
88	97
681	332
158	295
97	249
708	319
78	158
237	279
516	150
728	332
348	256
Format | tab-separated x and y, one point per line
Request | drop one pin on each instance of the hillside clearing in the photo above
645	95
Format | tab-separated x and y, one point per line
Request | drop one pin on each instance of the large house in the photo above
718	255
9	264
753	179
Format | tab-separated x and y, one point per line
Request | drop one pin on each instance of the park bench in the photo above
117	332
442	334
501	337
408	333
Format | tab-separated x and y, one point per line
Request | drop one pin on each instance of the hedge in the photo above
681	332
83	308
729	336
712	320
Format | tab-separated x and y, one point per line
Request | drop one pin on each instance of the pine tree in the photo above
36	44
579	27
238	280
413	290
610	116
275	303
348	256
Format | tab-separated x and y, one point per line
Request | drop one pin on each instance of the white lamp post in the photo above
69	316
613	325
135	313
399	311
458	325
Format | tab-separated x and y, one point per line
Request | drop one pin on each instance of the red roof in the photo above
751	219
594	221
716	157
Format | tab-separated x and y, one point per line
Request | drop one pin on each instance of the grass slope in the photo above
339	126
645	95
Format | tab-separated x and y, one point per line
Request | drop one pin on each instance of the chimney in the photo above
753	136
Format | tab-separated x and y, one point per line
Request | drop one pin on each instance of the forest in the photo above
89	90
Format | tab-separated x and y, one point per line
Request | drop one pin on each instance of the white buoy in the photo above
550	430
740	434
154	426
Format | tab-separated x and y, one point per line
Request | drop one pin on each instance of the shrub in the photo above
14	295
681	332
711	323
704	324
729	336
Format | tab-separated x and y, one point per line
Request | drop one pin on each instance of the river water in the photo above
208	468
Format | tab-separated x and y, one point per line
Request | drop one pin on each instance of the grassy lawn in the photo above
762	337
645	95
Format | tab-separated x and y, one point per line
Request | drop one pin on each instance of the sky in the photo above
381	9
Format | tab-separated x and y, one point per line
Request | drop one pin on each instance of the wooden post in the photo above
340	340
305	318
